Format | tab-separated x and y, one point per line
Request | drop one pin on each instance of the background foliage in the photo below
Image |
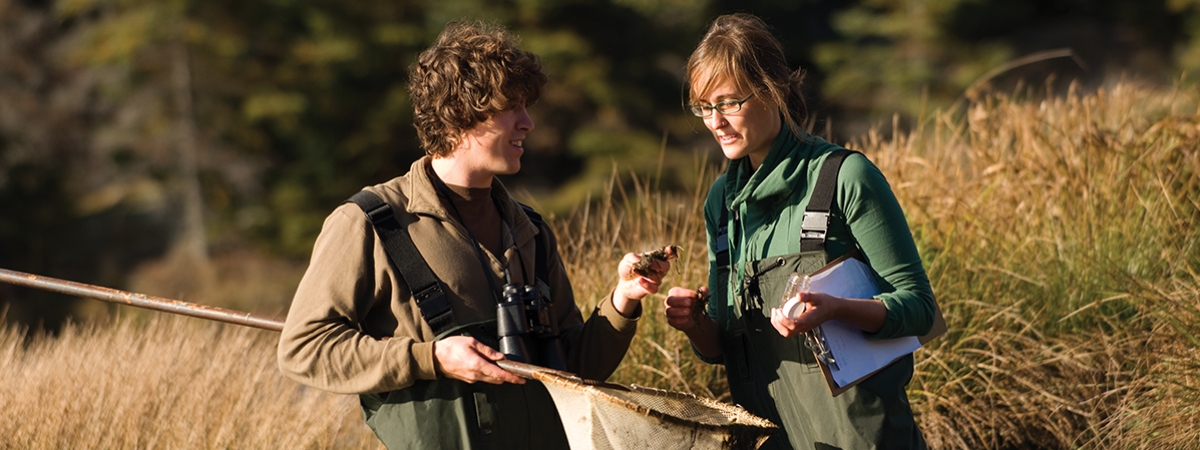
159	144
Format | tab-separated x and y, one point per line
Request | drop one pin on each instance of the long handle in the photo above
140	300
194	310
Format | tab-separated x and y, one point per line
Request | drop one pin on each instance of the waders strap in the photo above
815	223
424	285
541	263
723	239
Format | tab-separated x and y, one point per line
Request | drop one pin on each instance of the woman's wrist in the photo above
704	338
865	314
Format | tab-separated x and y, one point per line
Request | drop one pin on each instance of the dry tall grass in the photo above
166	383
1060	236
640	218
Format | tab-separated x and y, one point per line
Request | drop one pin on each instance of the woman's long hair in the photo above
741	48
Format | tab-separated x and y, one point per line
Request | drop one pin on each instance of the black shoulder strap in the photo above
816	215
723	237
421	281
541	264
722	240
815	223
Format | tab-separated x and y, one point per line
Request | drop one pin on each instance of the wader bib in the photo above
763	367
452	414
447	413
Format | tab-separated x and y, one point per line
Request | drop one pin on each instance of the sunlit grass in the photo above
635	219
166	382
1061	239
1060	236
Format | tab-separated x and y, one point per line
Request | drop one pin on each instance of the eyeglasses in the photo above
723	107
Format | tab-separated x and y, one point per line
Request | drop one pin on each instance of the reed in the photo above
634	217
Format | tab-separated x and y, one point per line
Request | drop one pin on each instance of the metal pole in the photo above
204	312
140	300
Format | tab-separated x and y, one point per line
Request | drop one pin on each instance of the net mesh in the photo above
613	416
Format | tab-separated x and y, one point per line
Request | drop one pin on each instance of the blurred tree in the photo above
148	43
60	215
614	93
893	56
1187	53
129	128
296	103
904	56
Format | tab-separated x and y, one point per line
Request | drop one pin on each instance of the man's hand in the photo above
464	358
632	286
645	264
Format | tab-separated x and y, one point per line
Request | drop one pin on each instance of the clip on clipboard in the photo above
845	355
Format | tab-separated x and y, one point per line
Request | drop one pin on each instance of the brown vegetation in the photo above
1060	236
167	382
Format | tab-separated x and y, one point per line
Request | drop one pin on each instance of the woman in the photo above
750	100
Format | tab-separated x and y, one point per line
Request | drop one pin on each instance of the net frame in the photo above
599	415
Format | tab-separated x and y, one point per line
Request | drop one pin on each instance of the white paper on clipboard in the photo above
856	356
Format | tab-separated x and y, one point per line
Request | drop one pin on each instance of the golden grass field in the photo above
1060	236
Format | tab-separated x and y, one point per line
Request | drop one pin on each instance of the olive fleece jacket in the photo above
354	328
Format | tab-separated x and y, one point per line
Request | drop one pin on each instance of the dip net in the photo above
599	415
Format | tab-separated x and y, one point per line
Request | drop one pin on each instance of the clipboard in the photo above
849	276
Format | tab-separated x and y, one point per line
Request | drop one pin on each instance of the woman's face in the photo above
748	132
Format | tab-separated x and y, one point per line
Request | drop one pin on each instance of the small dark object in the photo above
642	267
700	309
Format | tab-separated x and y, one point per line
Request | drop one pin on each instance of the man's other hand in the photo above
464	358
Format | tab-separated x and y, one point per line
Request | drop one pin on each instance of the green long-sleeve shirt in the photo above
769	203
767	374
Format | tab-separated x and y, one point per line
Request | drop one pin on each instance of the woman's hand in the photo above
814	309
685	311
684	308
817	308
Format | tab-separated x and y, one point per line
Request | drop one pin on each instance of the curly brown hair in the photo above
471	72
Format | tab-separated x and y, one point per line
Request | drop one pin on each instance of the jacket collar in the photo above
778	175
423	199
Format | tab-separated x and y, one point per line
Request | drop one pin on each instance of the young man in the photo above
355	326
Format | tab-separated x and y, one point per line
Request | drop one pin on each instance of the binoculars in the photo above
527	329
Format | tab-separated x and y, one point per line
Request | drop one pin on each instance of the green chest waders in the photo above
778	378
451	414
447	413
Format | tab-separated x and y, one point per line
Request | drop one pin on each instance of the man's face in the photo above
494	146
